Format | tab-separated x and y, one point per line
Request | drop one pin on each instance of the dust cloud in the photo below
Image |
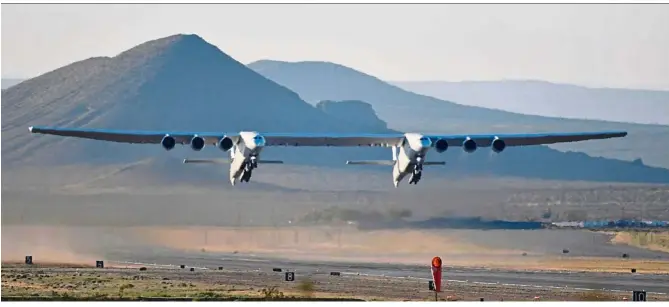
316	242
84	245
47	245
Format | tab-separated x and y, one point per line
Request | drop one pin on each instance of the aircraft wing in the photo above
272	139
129	136
306	139
485	140
387	140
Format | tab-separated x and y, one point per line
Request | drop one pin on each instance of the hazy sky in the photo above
594	45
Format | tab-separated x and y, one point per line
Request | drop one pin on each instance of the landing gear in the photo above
248	169
254	162
416	174
415	177
246	176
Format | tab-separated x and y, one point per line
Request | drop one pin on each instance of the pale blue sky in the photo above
593	45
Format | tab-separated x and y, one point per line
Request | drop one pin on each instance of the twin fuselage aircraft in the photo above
408	149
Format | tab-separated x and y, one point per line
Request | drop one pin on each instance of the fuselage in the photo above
411	154
408	156
244	155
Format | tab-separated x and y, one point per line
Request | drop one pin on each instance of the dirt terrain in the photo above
588	251
656	240
122	215
62	283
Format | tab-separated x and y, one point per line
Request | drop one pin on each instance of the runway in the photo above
584	281
364	275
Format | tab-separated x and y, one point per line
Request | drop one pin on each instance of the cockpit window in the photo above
259	140
425	141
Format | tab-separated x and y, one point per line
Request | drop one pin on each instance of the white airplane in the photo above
408	149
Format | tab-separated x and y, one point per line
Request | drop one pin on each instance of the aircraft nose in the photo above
259	141
425	142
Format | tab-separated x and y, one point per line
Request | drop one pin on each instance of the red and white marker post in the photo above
436	276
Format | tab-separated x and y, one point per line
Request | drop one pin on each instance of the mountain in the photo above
354	112
408	111
550	99
181	82
9	82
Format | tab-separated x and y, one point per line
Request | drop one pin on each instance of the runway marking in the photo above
512	285
405	277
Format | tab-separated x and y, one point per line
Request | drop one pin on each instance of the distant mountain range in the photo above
407	111
550	99
181	82
533	97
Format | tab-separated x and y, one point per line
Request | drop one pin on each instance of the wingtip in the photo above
30	129
619	133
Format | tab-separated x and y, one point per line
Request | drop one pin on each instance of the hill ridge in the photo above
184	83
260	66
179	82
406	111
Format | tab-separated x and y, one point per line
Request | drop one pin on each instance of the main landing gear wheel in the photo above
248	169
246	176
254	162
416	175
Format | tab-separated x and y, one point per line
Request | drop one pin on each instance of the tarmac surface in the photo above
616	282
131	247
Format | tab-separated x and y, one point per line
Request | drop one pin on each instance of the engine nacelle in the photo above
168	142
440	145
498	145
197	143
469	145
225	143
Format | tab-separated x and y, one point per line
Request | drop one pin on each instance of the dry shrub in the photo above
306	286
596	296
271	293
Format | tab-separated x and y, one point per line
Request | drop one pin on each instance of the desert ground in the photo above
126	214
128	282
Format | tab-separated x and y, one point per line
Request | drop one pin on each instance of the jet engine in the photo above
440	145
197	143
168	142
469	145
498	145
225	143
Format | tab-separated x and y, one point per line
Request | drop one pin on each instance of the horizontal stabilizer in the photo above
215	161
270	162
389	162
227	161
372	162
